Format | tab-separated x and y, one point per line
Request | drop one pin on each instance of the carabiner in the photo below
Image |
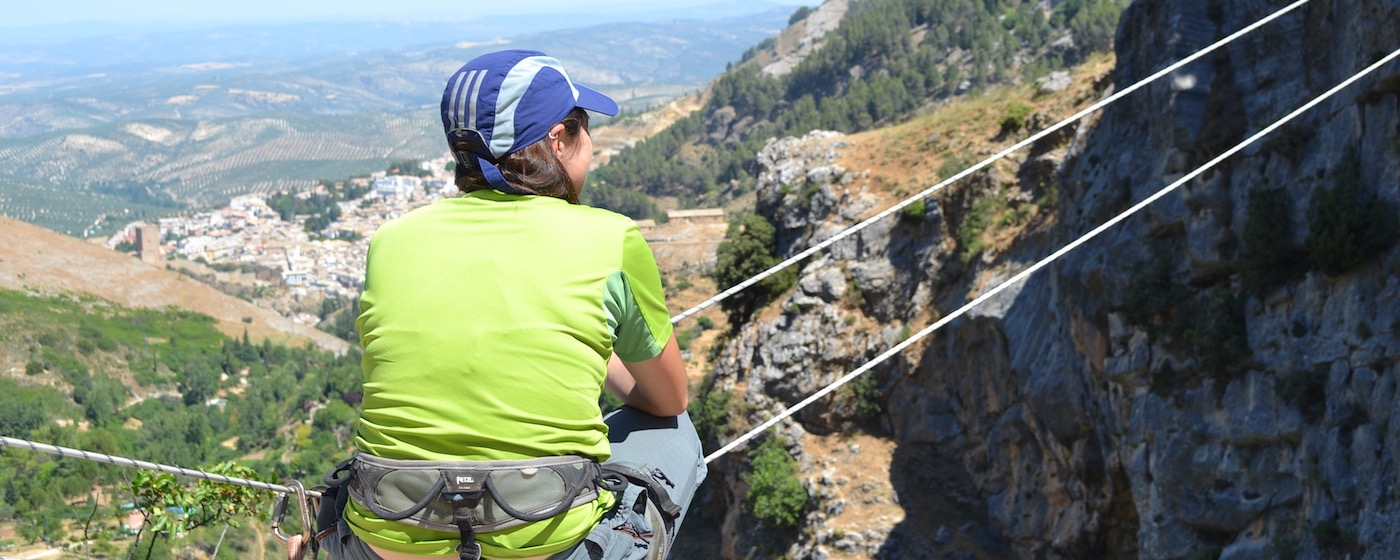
279	509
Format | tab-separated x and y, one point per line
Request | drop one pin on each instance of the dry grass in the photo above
41	261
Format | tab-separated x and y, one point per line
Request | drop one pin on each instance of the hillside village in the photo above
248	233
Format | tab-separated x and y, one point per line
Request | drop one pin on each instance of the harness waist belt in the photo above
512	493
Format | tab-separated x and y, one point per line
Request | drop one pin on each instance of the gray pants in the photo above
666	448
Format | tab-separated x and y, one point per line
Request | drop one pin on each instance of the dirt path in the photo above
261	547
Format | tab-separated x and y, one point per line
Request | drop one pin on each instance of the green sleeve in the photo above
636	305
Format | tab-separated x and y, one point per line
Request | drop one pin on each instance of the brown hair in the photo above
533	169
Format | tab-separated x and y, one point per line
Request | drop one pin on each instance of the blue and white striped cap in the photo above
504	101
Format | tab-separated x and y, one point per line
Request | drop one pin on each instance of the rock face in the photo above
1100	409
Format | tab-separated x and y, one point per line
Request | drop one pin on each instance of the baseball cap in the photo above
504	101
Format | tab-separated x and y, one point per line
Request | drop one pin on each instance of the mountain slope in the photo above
1215	377
884	61
41	261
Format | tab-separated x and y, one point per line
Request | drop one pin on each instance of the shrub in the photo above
800	14
1162	380
775	494
710	409
1332	536
1217	335
1305	391
914	212
1015	117
749	248
1155	301
1348	224
1269	256
952	166
684	337
608	402
975	224
864	397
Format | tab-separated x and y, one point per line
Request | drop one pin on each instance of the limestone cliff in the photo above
1197	382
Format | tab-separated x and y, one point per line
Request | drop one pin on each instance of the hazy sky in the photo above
21	13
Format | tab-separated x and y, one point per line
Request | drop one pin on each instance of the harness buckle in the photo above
464	503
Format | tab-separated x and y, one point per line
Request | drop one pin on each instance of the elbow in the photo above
671	407
678	406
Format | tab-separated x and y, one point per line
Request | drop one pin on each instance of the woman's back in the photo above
485	325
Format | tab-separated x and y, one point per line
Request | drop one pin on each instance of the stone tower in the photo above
148	243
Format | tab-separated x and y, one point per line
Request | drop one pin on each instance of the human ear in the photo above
554	138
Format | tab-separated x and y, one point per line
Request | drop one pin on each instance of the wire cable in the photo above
1047	260
984	163
125	462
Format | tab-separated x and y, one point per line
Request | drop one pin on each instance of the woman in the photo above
490	325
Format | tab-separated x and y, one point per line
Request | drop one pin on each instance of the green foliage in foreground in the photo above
172	508
775	494
192	396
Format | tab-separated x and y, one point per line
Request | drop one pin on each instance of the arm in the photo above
656	386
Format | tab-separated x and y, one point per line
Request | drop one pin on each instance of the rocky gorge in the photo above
1208	379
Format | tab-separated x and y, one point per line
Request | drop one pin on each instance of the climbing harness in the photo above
472	497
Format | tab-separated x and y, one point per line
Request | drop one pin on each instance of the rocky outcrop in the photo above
803	37
1071	415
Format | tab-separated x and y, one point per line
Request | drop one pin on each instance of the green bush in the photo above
1209	326
608	402
1015	117
684	337
799	15
914	212
1348	223
1306	391
1342	541
977	221
1162	380
775	494
952	166
1269	256
1155	301
1217	335
863	397
710	410
749	248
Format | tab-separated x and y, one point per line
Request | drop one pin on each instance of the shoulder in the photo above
600	221
602	215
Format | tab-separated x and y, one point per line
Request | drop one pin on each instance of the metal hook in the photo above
279	510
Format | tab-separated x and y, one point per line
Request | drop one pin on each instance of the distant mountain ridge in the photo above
84	154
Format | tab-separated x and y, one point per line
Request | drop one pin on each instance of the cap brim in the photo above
591	100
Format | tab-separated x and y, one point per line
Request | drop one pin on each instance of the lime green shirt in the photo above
487	322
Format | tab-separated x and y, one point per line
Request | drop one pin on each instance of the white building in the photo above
397	187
